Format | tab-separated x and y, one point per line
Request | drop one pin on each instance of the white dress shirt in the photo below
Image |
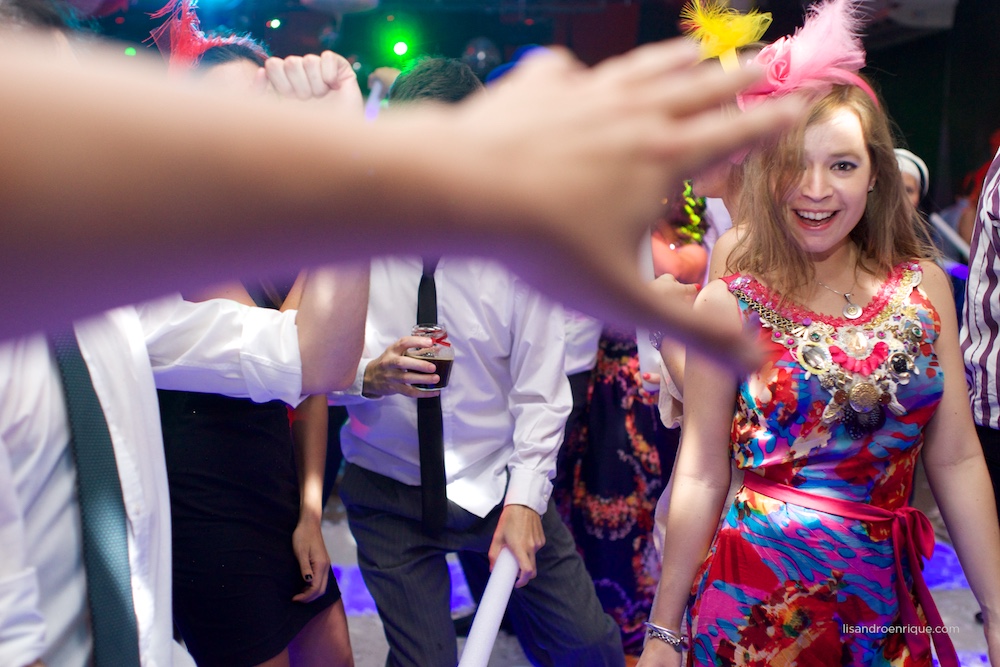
583	337
506	404
216	346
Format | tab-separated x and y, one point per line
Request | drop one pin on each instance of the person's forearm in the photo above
331	324
309	430
693	516
86	226
551	173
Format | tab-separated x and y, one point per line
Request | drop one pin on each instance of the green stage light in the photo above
397	38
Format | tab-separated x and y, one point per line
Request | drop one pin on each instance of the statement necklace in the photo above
851	310
861	366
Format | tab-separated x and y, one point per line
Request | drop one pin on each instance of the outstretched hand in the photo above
590	154
558	172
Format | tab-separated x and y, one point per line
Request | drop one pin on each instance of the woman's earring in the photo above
871	188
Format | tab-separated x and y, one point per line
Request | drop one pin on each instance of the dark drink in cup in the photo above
441	354
442	366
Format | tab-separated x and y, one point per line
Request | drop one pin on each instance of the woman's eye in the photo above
844	166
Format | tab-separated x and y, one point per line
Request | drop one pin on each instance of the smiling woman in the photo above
863	374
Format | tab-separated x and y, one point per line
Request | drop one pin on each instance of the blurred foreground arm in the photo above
111	194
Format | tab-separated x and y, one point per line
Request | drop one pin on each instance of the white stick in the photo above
374	102
483	634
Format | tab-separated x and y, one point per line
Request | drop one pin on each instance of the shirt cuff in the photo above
529	488
22	627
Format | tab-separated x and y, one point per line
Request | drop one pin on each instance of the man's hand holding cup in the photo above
393	372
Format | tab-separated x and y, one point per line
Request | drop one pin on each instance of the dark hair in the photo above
441	79
242	47
52	14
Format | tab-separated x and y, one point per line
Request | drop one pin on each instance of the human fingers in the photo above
319	572
526	569
405	362
310	593
329	68
275	70
611	289
546	66
301	547
699	139
336	70
649	62
288	77
687	90
393	378
312	67
386	75
412	385
321	568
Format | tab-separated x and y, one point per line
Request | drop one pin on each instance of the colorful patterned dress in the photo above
612	470
838	411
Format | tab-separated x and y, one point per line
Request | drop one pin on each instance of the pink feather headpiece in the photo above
825	51
181	40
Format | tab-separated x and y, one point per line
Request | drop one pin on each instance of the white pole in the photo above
486	625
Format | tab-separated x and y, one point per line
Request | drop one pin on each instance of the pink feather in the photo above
826	50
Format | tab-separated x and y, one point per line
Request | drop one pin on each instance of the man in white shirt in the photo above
217	346
503	412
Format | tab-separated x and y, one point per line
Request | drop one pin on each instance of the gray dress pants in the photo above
557	616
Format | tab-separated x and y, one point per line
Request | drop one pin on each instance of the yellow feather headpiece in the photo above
721	30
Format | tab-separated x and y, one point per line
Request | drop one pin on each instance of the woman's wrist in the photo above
672	638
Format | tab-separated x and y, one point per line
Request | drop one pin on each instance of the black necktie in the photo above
102	509
430	429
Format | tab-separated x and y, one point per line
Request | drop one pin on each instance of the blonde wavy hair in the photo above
890	230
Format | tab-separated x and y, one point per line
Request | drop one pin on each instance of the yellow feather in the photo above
720	28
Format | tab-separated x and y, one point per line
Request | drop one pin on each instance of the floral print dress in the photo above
612	469
838	411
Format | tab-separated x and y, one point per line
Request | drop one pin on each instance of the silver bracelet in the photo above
655	631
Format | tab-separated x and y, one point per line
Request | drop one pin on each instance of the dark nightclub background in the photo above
937	62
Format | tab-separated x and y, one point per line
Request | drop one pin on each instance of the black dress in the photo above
234	501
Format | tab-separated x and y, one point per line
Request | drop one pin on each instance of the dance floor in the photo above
943	574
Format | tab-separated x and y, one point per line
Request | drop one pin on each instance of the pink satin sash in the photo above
911	530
